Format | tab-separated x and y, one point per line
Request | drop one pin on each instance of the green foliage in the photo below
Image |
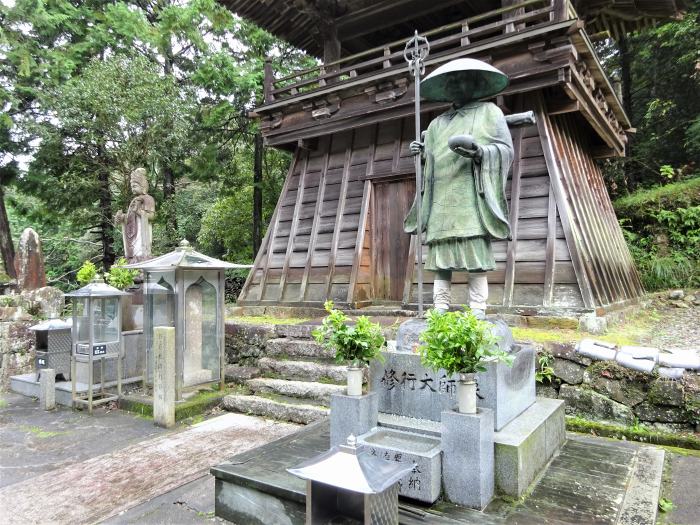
458	342
121	278
665	505
544	371
86	273
642	204
356	344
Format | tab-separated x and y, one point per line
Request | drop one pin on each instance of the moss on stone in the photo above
635	433
267	319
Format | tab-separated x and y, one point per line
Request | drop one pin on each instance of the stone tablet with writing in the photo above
406	388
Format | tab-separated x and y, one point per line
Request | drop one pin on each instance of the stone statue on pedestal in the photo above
137	229
467	152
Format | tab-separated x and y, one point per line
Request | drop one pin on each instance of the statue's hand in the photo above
416	147
465	145
119	217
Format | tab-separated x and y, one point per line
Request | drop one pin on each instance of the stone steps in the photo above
319	393
275	408
304	348
303	370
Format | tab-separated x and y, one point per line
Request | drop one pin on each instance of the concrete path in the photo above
106	485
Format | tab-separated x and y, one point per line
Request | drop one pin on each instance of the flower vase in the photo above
466	394
354	379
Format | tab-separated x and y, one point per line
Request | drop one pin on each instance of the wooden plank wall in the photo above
319	243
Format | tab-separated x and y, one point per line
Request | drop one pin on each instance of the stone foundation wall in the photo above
16	350
605	391
246	343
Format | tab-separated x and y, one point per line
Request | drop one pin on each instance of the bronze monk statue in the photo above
467	153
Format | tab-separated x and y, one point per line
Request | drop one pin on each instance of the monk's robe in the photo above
463	199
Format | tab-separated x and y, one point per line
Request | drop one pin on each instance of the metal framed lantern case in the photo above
347	483
96	337
184	289
53	347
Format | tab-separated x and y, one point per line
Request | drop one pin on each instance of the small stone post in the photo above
164	376
468	466
47	389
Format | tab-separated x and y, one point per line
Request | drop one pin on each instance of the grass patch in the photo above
268	319
4	403
634	433
41	434
192	408
670	196
559	335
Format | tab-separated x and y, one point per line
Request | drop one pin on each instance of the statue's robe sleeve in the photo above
491	173
410	223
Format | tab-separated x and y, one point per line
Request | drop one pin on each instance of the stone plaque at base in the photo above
424	480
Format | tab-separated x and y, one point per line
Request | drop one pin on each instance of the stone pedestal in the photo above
164	376
468	457
352	415
47	389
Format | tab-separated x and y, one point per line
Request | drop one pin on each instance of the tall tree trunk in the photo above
7	249
106	229
626	75
169	175
257	192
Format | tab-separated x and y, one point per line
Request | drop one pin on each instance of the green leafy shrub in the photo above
119	277
544	371
86	273
356	344
458	342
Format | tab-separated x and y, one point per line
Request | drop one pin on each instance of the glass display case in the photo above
96	337
184	289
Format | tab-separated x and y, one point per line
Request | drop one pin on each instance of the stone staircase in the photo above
291	380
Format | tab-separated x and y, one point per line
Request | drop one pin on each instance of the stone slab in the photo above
524	447
352	415
642	497
28	385
468	457
423	483
406	388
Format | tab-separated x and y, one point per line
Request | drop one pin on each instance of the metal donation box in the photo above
53	344
96	337
348	485
184	289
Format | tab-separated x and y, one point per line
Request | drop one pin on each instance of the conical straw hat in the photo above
490	81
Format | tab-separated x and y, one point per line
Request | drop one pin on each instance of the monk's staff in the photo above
415	52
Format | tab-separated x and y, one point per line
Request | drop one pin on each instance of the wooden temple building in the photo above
337	229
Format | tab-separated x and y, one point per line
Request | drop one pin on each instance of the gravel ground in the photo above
675	327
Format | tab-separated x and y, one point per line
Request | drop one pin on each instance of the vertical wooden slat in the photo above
587	239
339	215
293	227
316	220
630	279
588	217
360	239
607	245
514	212
269	239
550	252
554	169
397	147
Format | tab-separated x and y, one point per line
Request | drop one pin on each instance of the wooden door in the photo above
390	245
